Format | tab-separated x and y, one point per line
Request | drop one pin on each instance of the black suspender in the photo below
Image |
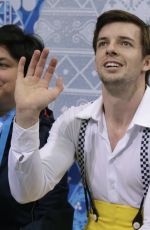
145	175
80	156
145	172
144	161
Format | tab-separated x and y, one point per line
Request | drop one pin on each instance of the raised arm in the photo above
32	93
33	172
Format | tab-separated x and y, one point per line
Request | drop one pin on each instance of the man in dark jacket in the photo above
52	212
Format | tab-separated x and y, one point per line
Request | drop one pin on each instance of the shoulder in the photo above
71	115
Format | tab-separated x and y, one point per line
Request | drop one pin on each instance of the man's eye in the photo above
3	65
102	44
126	43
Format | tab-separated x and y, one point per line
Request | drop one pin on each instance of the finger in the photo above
54	92
33	63
21	65
59	84
41	63
50	70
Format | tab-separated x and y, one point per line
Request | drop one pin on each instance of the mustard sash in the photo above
112	217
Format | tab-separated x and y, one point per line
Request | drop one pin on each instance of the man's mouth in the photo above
112	64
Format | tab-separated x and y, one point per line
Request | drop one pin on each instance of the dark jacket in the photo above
52	212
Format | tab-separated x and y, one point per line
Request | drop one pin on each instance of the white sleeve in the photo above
33	172
146	222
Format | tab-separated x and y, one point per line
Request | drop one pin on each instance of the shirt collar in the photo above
93	110
141	117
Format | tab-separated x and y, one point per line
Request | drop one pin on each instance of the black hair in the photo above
18	43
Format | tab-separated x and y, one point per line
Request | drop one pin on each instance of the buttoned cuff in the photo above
25	140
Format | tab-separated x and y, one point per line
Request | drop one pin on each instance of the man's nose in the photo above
111	49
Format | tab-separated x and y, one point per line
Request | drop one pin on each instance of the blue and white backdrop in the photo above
66	27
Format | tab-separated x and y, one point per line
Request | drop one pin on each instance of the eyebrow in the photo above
3	59
120	37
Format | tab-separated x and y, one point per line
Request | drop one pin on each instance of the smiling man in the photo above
116	126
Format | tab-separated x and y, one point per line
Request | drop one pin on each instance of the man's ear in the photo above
146	65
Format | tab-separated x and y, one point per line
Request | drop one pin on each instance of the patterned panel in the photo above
67	28
138	7
8	14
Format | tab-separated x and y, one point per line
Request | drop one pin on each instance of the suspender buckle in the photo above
136	225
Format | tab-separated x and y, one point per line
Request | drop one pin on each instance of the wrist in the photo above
27	118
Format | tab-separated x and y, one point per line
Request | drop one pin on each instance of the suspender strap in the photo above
80	156
145	174
80	150
138	220
144	161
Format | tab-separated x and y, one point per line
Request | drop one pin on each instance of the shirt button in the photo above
113	185
21	158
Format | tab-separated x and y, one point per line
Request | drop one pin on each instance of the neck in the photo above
119	111
120	108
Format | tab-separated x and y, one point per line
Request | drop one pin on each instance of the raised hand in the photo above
32	93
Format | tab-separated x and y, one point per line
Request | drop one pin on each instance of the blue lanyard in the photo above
5	132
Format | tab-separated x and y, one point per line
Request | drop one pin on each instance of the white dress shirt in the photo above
114	176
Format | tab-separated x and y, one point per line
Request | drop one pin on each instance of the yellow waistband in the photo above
112	217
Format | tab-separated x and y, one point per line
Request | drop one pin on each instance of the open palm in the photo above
32	93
